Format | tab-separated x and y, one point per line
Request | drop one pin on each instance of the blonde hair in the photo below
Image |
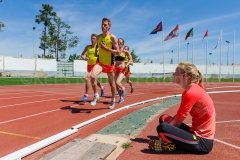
108	20
194	75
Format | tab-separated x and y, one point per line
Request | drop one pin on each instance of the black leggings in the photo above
183	138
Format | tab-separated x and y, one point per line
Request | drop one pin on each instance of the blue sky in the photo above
132	20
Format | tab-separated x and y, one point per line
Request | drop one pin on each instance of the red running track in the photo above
31	113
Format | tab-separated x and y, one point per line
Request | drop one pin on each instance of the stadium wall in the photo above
31	67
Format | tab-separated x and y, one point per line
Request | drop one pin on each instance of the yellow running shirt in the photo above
91	55
105	57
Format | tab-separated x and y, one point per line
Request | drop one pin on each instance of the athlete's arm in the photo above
115	45
83	53
129	58
174	122
96	50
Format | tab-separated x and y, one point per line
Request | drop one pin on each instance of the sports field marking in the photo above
231	145
230	121
30	116
225	87
36	102
35	115
20	135
28	96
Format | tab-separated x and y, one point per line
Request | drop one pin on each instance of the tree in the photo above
1	26
59	37
73	57
135	57
46	16
49	56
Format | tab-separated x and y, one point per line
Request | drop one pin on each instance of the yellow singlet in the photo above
105	57
91	56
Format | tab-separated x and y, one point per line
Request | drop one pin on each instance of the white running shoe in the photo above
94	101
112	105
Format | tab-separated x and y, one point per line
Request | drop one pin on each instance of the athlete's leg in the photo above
111	81
97	69
184	139
88	82
129	81
117	88
119	84
87	86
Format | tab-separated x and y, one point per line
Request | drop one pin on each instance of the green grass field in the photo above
52	80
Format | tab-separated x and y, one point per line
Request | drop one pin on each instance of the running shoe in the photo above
123	92
112	105
132	89
159	146
120	100
94	101
102	91
85	98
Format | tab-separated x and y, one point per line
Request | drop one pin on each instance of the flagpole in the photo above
192	49
206	58
220	57
233	53
179	43
163	55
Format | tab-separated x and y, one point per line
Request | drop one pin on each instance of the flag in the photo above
189	34
205	35
157	29
219	39
172	34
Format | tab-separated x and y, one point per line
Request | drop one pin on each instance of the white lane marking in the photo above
30	116
231	145
228	121
224	87
36	102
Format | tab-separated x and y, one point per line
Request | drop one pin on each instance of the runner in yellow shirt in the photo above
107	47
127	71
88	54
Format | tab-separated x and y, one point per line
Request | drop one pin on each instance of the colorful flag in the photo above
157	29
172	34
189	34
205	35
219	39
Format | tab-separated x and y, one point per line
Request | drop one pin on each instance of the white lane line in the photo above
36	102
231	145
73	93
27	96
30	116
228	121
225	87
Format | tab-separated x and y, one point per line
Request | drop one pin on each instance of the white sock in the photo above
86	95
113	99
96	94
102	87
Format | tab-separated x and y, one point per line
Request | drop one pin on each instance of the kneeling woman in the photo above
120	66
197	138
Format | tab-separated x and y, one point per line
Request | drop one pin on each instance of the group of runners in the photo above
107	54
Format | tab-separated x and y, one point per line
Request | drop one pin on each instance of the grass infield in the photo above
6	81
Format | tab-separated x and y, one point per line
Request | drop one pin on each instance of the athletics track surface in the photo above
31	113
